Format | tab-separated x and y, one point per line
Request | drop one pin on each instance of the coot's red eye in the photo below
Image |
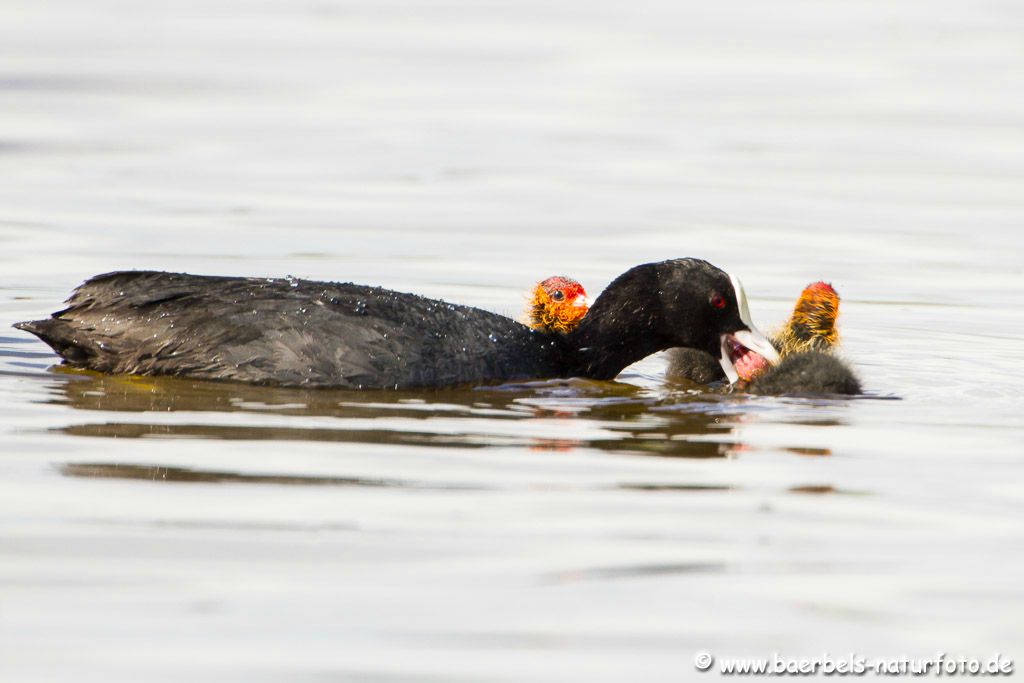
717	300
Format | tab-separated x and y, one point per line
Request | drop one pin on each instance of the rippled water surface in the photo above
173	530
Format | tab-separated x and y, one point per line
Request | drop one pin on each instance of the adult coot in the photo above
320	334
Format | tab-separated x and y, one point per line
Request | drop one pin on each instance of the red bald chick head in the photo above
557	304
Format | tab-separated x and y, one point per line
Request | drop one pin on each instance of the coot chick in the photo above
695	365
321	334
806	343
557	304
807	372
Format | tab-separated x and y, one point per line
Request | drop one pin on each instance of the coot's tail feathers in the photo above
71	331
63	338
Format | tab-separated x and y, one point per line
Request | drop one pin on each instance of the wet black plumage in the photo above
307	333
807	372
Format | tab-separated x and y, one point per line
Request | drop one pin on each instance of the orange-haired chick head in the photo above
557	304
812	326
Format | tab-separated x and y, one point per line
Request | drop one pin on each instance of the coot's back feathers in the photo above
285	332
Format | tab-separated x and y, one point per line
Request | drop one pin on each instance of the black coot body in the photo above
320	334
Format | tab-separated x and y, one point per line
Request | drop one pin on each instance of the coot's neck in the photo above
614	333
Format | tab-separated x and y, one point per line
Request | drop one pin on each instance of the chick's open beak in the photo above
745	351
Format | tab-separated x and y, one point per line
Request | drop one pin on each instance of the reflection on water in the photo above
182	474
621	418
468	418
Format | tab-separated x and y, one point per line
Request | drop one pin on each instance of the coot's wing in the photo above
284	332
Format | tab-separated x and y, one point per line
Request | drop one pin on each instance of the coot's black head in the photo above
658	306
681	302
705	308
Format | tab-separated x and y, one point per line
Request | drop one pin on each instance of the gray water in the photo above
165	530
